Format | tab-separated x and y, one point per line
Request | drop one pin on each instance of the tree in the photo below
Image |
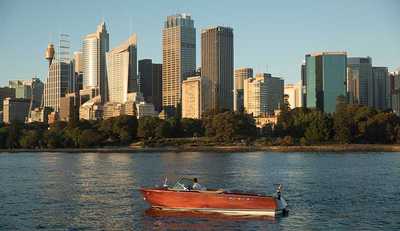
14	132
147	127
30	139
90	138
229	126
319	129
3	137
125	128
53	138
192	127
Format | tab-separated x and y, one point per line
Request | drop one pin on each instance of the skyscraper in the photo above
240	75
94	48
121	70
146	78
6	92
379	89
15	110
157	86
59	75
217	68
263	94
294	94
395	91
150	81
303	85
326	79
359	72
77	79
28	89
191	97
179	58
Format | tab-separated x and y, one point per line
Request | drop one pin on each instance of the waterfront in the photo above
69	191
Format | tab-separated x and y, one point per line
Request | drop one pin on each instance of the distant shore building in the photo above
395	91
379	89
28	89
69	107
15	110
263	94
192	97
94	48
217	68
326	79
359	73
294	94
77	78
150	80
121	70
240	75
39	115
303	72
179	59
59	75
6	92
91	109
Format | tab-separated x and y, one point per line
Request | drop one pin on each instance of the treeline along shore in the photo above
351	128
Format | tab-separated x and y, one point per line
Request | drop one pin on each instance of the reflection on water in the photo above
56	191
187	220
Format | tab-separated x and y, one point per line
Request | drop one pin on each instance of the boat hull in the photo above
209	202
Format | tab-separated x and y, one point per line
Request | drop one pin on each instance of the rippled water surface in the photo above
61	191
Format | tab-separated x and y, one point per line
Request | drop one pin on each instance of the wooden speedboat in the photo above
181	197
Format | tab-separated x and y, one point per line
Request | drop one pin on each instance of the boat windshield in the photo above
183	184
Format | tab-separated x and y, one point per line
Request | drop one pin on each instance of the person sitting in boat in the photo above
196	185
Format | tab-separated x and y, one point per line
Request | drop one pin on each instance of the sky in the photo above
269	36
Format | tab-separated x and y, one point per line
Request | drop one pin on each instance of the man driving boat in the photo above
196	185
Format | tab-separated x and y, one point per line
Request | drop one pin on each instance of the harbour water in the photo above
89	191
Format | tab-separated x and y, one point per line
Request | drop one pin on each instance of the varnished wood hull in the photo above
226	203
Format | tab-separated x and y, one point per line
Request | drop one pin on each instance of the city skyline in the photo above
279	49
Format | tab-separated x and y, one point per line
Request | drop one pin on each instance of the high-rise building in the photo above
15	110
395	91
379	89
56	84
91	109
39	115
294	94
94	48
69	107
146	78
263	94
59	75
303	85
6	92
192	97
29	89
121	70
240	75
217	68
150	81
157	86
179	58
359	72
77	79
326	79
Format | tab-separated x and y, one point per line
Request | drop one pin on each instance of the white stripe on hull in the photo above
237	212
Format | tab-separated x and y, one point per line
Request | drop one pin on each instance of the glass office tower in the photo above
326	79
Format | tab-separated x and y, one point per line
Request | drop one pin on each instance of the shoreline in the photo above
338	148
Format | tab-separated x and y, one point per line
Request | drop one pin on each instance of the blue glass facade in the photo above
326	80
